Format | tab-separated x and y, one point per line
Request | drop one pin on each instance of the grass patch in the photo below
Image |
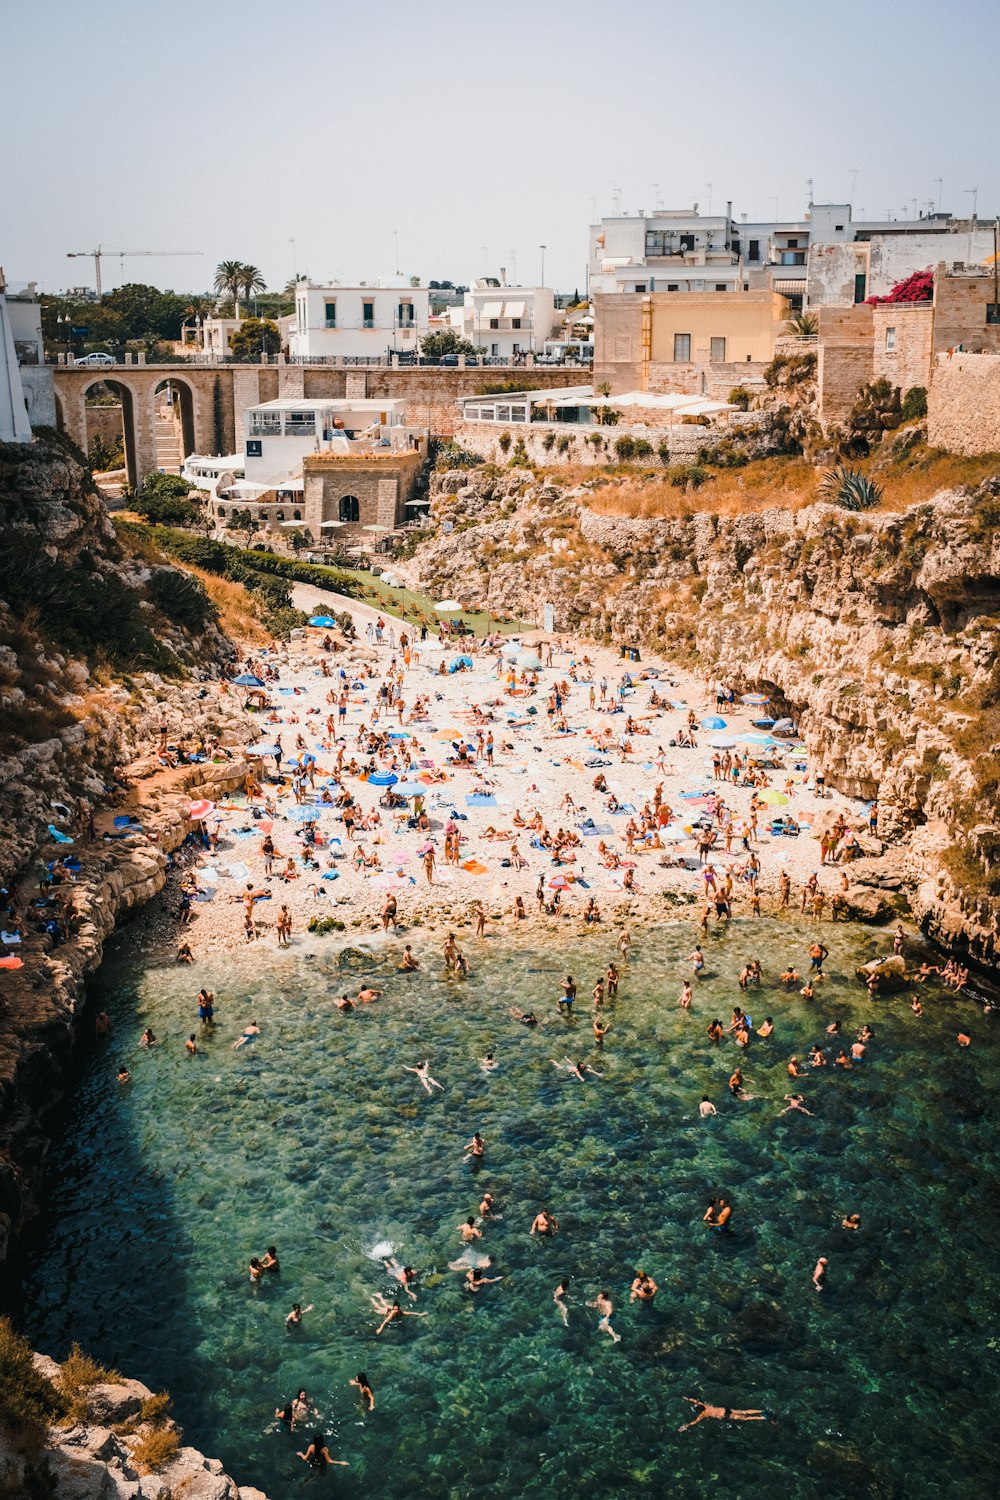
29	1401
78	1375
155	1449
155	1408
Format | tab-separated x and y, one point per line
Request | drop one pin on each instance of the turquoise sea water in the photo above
316	1140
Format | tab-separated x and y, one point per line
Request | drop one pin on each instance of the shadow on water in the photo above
107	1257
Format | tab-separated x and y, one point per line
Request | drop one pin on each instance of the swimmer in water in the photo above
475	1280
819	1274
767	1027
147	1039
256	1270
720	1414
489	1063
601	1029
317	1455
686	995
795	1101
487	1207
404	1275
706	1107
408	964
736	1083
345	1003
851	1221
526	1017
249	1034
391	1311
575	1069
469	1231
697	959
124	1076
269	1261
544	1224
475	1149
644	1288
422	1071
191	1046
365	1391
559	1298
296	1315
602	1302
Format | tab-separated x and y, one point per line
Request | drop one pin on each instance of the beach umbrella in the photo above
383	778
411	788
674	834
460	661
756	698
721	742
510	649
448	734
530	660
302	813
247	679
713	723
262	750
448	607
11	962
200	809
773	798
400	734
325	620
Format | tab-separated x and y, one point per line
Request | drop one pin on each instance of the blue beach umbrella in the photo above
261	750
713	723
325	620
411	788
383	778
247	679
303	814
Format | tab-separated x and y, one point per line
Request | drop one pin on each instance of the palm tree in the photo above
228	278
250	280
803	325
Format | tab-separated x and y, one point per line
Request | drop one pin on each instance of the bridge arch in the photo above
120	389
182	393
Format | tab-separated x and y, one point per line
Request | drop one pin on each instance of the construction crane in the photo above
96	255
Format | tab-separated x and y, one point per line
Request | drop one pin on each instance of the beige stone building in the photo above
346	495
685	341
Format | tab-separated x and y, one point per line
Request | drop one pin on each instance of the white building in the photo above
14	424
280	434
370	322
505	320
680	250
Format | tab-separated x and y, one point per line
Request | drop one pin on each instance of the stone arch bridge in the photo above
213	398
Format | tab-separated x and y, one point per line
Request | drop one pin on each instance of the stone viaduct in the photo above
213	398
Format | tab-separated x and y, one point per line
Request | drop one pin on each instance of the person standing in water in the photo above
603	1304
559	1298
365	1391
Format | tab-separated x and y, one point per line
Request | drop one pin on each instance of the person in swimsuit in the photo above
392	1312
469	1231
720	1414
544	1224
317	1455
249	1034
422	1071
644	1288
602	1302
559	1296
475	1280
365	1391
795	1102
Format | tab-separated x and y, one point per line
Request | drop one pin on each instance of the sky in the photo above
315	137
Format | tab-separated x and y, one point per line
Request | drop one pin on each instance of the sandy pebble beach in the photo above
537	769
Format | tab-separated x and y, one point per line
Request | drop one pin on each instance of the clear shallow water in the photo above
316	1139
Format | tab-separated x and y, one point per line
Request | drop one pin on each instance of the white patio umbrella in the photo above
448	607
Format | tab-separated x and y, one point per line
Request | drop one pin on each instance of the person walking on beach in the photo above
429	864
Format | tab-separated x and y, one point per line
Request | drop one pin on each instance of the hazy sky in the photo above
476	132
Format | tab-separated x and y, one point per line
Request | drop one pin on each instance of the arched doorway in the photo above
350	509
173	423
109	416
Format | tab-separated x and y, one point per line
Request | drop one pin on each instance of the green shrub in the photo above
564	443
505	441
740	397
689	474
29	1402
641	448
548	441
180	597
624	447
663	453
914	404
164	498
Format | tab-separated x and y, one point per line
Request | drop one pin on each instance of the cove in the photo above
315	1139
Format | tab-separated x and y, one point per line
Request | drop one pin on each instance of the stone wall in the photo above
712	380
963	403
845	359
682	439
909	362
960	302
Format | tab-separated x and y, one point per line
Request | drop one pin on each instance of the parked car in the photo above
453	359
96	359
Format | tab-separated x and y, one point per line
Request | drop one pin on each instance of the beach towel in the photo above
474	867
331	875
60	838
476	799
623	810
593	830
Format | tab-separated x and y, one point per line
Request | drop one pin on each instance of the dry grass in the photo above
786	482
155	1449
76	1377
233	603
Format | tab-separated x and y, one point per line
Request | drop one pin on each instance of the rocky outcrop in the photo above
101	1456
878	633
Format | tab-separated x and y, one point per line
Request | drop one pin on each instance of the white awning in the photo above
513	309
491	310
331	525
292	484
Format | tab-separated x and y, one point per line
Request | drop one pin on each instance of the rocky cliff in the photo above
879	633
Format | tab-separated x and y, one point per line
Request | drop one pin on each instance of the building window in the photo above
331	314
838	228
350	510
672	286
279	515
682	348
222	512
406	314
736	247
890	341
754	253
515	323
718	351
494	322
687	242
296	515
860	282
720	286
793	244
368	314
640	286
